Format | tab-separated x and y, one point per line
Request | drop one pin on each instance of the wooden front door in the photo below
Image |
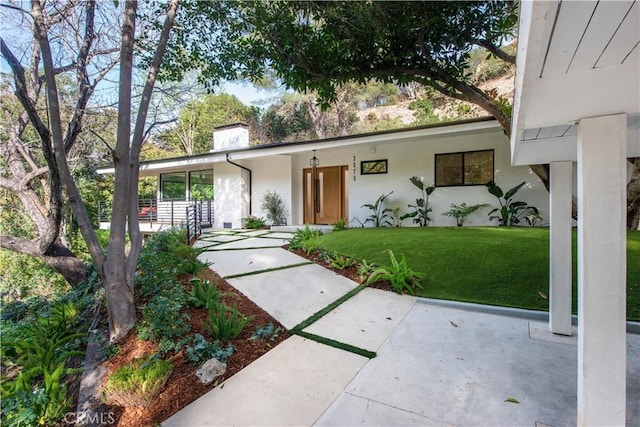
325	197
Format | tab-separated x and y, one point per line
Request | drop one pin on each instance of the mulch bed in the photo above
183	387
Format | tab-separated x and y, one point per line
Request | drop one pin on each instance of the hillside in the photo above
444	107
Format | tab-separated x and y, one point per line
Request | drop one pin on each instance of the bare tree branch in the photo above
511	59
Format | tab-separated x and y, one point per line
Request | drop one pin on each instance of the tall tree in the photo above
193	131
318	45
31	173
115	267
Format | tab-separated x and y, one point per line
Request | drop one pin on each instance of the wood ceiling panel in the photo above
564	37
607	18
624	40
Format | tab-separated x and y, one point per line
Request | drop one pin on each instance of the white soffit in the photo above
576	59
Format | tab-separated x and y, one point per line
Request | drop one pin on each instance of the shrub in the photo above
253	223
339	225
203	293
268	331
510	212
365	269
186	259
380	216
307	240
274	207
137	384
225	323
461	212
402	277
201	350
339	262
421	209
163	320
41	348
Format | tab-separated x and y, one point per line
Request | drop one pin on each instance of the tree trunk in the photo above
135	236
57	257
119	295
316	115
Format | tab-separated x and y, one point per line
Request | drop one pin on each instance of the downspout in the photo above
250	179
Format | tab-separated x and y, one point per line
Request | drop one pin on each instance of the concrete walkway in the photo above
435	365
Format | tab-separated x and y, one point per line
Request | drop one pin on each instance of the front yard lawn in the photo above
486	265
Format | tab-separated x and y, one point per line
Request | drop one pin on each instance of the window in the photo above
201	184
173	186
469	168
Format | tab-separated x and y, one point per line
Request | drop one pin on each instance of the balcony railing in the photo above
157	213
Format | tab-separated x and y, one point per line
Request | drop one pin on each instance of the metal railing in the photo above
164	212
194	222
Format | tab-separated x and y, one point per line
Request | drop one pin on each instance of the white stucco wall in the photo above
271	174
416	158
231	195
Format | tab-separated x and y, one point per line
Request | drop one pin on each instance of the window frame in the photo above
162	189
463	153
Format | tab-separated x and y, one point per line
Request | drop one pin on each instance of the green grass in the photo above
486	265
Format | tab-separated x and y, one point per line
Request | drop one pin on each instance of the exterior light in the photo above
314	162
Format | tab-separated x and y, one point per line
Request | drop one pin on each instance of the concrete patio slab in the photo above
459	367
252	242
540	331
292	385
366	320
228	263
294	294
350	410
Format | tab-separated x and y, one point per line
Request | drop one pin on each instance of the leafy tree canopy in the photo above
319	45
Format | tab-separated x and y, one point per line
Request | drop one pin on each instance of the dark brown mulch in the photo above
183	387
350	272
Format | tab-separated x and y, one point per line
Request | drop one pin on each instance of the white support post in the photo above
560	193
602	178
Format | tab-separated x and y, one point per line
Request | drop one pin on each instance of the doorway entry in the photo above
325	194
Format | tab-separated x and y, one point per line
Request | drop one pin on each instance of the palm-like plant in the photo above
510	212
461	212
380	216
421	211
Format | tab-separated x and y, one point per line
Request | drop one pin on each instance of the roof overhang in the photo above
426	133
575	60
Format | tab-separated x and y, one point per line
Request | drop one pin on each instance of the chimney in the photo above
230	137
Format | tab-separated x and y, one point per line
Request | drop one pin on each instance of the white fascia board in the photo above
533	30
164	165
385	138
563	149
185	163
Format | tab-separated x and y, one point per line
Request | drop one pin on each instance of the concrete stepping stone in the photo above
229	263
292	385
255	242
366	320
294	294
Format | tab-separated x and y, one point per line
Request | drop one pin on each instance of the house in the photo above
350	171
577	102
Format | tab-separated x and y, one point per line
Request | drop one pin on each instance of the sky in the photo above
250	95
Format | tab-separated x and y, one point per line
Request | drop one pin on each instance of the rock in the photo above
210	370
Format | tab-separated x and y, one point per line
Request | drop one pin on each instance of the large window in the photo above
201	184
469	168
173	186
